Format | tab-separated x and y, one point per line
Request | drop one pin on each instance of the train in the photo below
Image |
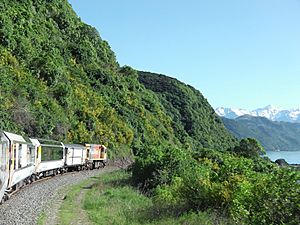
24	160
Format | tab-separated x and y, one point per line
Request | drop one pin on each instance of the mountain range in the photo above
272	135
270	112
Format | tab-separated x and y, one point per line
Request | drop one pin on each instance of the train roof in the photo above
14	137
92	145
74	146
45	142
35	141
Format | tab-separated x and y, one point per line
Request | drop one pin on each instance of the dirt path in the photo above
51	213
82	217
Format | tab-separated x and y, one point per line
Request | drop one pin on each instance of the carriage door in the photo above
88	153
102	149
68	155
19	156
12	159
30	155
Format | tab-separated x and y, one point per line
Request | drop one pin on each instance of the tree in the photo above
249	147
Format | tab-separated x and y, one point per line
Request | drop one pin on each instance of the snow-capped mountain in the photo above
271	112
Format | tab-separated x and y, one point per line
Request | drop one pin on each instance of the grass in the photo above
42	218
69	209
113	201
110	199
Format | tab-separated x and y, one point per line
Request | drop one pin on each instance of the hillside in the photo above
192	117
271	134
60	80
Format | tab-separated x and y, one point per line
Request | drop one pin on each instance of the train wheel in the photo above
33	178
6	196
28	181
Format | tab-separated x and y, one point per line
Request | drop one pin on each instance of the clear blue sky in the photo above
238	53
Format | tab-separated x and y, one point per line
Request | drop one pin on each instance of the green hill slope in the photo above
272	135
60	80
193	119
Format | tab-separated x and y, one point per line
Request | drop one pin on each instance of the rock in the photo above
281	162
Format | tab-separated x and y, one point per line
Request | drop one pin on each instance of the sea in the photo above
291	157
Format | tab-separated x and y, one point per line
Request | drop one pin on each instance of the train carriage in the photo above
3	165
50	157
75	156
17	162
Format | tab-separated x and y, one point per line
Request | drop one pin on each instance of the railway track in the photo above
25	205
43	179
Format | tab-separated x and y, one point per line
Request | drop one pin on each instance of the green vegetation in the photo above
250	148
194	121
61	81
249	190
272	135
130	207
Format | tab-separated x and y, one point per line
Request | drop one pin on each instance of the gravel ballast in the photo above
25	206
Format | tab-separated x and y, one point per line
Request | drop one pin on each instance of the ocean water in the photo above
289	156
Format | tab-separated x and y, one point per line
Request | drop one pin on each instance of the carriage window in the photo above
14	155
19	156
30	155
32	152
51	153
2	156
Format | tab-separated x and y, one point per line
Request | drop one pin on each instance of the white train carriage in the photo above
4	174
17	162
96	155
75	156
50	157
